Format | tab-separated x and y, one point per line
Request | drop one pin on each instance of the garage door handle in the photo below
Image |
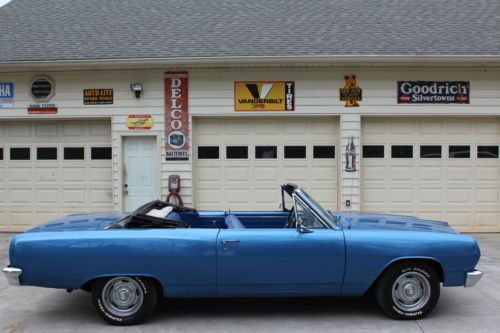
227	241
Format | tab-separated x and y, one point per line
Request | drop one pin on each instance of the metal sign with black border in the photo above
97	96
433	92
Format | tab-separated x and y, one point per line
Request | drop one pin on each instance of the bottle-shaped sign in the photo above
350	155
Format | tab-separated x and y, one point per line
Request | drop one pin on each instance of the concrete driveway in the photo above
476	309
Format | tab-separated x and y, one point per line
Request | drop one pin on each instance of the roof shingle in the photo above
46	30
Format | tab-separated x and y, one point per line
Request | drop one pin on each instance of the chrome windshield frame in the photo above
327	220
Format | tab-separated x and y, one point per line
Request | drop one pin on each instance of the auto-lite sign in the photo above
433	92
6	95
176	116
264	96
97	96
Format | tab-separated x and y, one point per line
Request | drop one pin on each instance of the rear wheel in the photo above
124	300
408	290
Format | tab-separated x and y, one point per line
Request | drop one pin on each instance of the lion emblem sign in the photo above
351	92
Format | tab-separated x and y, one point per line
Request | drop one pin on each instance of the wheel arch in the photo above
87	286
433	262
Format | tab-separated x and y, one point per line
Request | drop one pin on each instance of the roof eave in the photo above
261	61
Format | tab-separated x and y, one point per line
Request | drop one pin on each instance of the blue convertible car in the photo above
127	261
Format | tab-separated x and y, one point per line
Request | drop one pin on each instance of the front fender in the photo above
369	253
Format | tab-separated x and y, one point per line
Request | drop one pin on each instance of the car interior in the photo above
159	214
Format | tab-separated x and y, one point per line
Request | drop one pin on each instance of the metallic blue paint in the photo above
266	261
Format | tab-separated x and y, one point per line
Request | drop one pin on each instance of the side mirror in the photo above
303	230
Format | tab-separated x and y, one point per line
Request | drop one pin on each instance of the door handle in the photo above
227	241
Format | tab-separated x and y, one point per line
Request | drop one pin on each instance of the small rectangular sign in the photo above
433	92
6	94
264	96
176	116
6	90
97	96
42	110
140	122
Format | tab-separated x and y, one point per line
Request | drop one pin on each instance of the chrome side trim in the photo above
12	275
472	278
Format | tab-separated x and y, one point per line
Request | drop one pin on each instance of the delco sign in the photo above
176	116
433	92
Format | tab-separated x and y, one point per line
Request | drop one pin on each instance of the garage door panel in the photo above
266	173
47	195
259	177
20	195
74	130
397	127
100	196
74	175
100	175
463	173
373	196
234	173
459	195
46	130
430	127
295	174
401	195
209	173
431	173
239	196
265	195
487	219
488	173
429	195
462	191
487	195
20	175
402	173
19	130
373	173
46	175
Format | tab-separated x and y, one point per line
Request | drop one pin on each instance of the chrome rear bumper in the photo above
12	274
472	277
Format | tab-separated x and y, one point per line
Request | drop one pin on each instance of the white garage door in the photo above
241	162
439	168
50	169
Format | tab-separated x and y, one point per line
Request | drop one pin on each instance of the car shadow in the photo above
260	307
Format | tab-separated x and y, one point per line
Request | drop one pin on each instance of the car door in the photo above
252	262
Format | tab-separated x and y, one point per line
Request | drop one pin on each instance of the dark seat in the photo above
233	222
174	216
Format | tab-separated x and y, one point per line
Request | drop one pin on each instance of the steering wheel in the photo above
291	223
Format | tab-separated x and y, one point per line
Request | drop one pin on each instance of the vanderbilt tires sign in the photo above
264	96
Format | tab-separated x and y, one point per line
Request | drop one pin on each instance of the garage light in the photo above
137	89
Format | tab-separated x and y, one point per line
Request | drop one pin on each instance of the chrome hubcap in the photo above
122	296
411	291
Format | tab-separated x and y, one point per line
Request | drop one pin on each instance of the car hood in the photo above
77	222
392	222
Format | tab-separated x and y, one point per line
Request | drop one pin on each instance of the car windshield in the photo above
314	203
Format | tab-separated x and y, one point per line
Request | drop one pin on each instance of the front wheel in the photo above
408	290
124	300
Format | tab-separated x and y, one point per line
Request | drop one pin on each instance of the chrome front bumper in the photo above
472	277
12	275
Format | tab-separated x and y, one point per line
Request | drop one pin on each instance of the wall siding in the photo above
211	94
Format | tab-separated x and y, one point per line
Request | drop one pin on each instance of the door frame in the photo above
120	202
